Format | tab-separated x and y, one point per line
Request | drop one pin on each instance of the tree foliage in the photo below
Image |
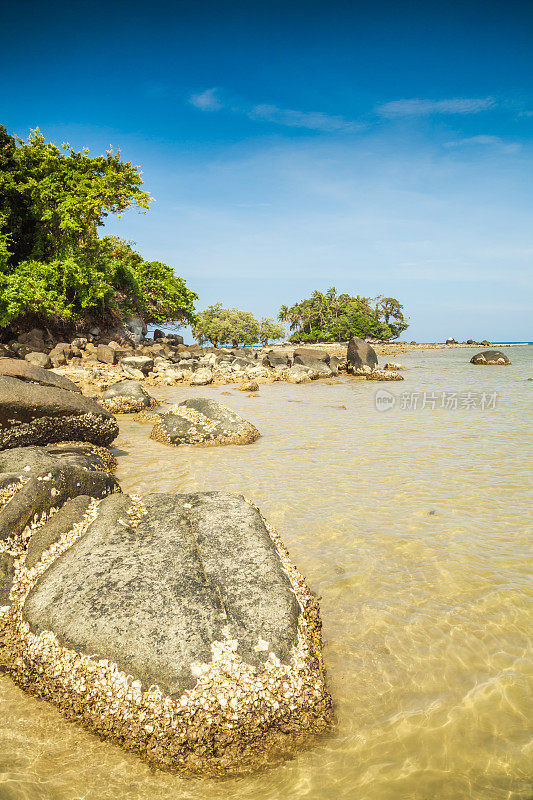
53	265
334	317
220	325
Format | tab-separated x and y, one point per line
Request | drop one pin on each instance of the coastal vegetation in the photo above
333	317
54	268
219	325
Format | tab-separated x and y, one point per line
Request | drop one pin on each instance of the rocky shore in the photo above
101	359
175	624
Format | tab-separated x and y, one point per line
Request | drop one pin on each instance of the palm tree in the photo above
283	315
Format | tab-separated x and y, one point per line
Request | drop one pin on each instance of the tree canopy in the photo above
334	317
220	325
53	265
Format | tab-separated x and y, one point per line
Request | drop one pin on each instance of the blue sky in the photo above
382	148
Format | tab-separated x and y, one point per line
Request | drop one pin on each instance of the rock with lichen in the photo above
176	626
38	407
202	421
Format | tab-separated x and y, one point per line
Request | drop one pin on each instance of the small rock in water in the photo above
203	421
490	358
251	386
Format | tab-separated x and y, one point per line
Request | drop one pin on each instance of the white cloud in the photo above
313	120
484	140
421	108
207	100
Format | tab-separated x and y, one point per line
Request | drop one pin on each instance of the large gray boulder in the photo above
127	397
314	359
360	354
40	407
490	358
201	421
177	627
277	359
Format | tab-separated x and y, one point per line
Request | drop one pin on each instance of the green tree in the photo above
390	308
333	317
268	329
53	266
220	325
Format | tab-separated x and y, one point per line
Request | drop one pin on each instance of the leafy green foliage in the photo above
332	317
52	263
220	325
268	329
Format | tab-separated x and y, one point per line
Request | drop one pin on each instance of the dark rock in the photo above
6	577
307	356
276	359
203	421
126	397
490	358
451	341
158	334
33	374
79	343
314	359
245	363
39	360
360	354
31	413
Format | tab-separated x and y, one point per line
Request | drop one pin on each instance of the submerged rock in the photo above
127	397
490	358
203	421
39	407
176	627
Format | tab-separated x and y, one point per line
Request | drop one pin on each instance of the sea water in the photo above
410	520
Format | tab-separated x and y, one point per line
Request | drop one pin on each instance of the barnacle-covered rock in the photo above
127	397
490	358
39	407
35	481
176	626
205	422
